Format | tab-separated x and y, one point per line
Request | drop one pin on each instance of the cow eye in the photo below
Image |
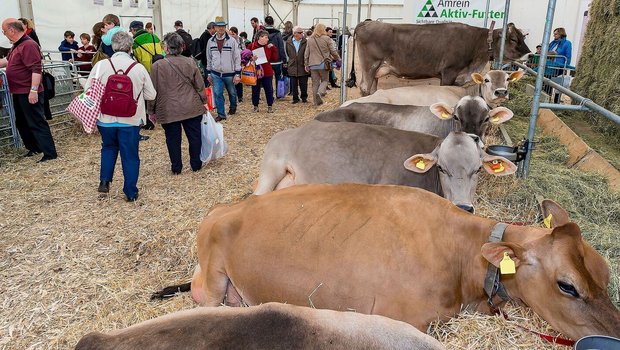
440	169
568	288
487	80
456	117
486	119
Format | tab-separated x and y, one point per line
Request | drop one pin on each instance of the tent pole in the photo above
157	18
345	53
225	11
25	9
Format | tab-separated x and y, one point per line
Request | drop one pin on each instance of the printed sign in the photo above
117	3
98	2
133	3
149	4
470	12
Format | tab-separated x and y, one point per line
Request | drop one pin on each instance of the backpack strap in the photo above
112	64
129	68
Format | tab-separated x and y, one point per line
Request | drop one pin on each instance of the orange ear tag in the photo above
497	166
507	266
420	164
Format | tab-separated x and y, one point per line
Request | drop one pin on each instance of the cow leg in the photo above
271	175
209	288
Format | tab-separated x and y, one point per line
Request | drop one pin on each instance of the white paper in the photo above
149	4
98	2
133	3
260	53
117	3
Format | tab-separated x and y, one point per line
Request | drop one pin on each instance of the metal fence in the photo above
8	130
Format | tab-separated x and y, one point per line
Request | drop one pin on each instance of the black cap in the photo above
136	25
178	23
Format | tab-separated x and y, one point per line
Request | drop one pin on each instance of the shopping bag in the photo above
86	107
248	74
282	87
210	103
212	133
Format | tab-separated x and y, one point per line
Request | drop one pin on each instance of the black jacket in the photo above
275	37
204	38
188	42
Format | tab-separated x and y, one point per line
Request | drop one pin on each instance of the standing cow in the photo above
349	152
470	115
449	51
395	251
492	87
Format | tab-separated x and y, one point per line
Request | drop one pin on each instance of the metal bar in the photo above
486	14
343	67
359	11
314	22
500	62
539	81
565	107
580	100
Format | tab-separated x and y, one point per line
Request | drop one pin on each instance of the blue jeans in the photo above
125	140
218	93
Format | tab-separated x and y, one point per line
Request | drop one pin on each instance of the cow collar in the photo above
490	41
492	285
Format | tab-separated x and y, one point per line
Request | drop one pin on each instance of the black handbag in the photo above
49	85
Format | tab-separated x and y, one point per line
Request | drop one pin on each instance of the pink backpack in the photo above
117	99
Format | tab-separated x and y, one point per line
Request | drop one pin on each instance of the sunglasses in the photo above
299	32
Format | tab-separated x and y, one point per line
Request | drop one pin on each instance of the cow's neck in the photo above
475	265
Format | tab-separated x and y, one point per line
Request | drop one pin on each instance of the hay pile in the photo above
598	74
74	261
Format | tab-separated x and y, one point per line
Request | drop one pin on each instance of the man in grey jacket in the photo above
223	67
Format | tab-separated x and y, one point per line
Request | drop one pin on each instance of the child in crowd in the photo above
149	27
266	82
83	54
244	37
68	45
111	25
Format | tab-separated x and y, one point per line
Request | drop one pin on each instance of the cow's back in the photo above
419	95
331	239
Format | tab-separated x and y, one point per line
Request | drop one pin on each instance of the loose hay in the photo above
74	261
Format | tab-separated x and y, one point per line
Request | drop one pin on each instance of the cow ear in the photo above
553	214
514	76
498	166
478	78
500	115
494	252
442	110
420	163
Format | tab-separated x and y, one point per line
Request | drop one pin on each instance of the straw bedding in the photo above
75	261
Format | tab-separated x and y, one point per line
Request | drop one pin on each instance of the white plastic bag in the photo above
212	133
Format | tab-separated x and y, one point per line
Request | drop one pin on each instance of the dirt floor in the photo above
75	261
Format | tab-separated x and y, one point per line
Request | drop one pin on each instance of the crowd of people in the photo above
168	79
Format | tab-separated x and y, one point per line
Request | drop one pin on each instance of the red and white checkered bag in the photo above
86	107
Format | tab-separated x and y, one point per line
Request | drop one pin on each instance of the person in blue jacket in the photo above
560	47
68	45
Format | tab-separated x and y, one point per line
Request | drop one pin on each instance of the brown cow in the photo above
268	326
395	251
449	51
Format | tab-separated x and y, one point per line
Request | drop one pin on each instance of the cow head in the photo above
458	159
471	115
494	85
561	277
515	46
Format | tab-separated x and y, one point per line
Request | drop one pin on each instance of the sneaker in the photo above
255	109
144	137
304	101
295	101
219	118
269	109
31	153
132	199
232	111
239	100
104	187
318	100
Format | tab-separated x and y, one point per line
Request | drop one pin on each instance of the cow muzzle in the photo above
503	93
467	208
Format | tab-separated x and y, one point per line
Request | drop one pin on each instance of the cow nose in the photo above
468	208
501	92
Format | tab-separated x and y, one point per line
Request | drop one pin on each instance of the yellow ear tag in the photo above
420	164
547	221
445	115
495	119
507	266
497	166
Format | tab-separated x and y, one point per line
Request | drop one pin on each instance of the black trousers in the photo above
32	126
299	83
173	142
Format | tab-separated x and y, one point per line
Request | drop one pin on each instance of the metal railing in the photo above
8	130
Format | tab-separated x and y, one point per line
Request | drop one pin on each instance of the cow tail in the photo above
352	78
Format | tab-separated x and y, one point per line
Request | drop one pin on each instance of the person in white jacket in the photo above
121	135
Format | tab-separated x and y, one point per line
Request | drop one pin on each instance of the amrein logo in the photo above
454	10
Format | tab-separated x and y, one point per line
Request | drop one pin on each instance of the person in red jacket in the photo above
84	54
266	81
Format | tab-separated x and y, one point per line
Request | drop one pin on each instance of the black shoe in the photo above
176	172
232	111
304	101
132	199
144	137
104	187
336	86
46	158
31	153
240	100
295	101
219	119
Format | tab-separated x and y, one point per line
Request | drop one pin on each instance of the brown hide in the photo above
395	251
449	51
268	326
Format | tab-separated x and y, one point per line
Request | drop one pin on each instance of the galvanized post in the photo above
539	81
359	11
503	38
486	14
344	58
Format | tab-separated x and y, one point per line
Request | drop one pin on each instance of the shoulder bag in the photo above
326	60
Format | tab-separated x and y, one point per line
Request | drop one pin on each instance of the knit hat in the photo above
136	25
